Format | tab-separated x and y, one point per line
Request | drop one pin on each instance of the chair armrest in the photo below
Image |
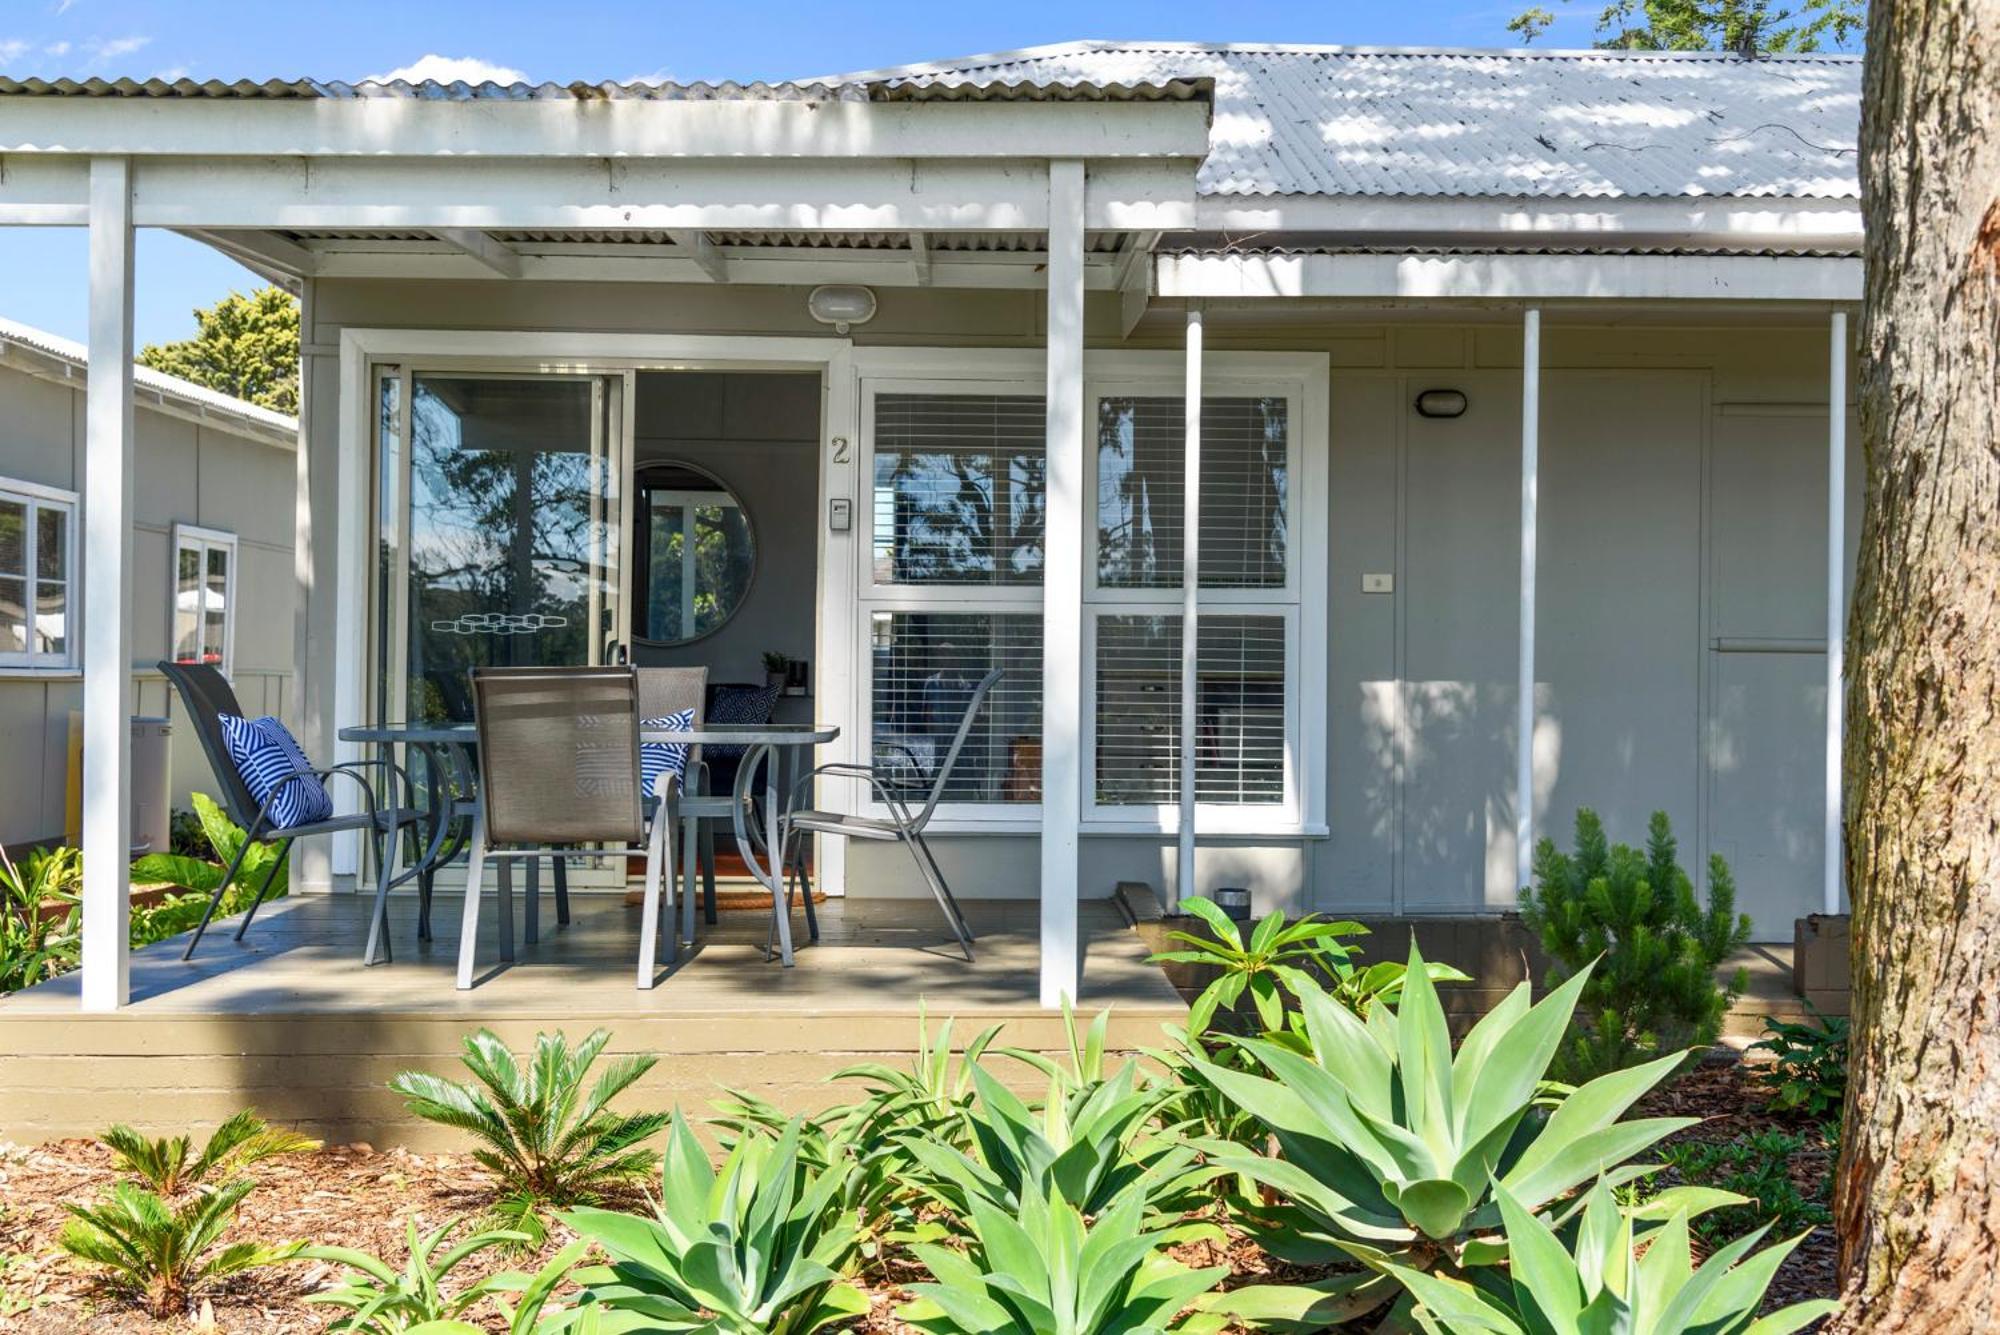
850	770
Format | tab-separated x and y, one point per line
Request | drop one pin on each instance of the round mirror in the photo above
695	554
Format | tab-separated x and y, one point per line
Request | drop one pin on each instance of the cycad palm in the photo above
551	1139
170	1166
160	1250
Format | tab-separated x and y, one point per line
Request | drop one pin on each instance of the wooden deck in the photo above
290	1023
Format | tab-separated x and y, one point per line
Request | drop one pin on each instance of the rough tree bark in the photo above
1918	1197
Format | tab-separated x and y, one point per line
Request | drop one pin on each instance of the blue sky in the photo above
42	270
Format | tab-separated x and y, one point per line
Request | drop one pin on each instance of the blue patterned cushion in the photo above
661	758
740	704
265	757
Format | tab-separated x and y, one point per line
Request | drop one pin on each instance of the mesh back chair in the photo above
901	825
669	690
207	696
558	768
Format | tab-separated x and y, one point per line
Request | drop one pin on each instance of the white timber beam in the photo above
1062	588
1135	280
920	259
1513	278
1184	878
107	596
489	254
1836	600
283	262
1524	722
583	262
703	253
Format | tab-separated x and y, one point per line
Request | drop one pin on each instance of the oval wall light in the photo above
841	306
1441	403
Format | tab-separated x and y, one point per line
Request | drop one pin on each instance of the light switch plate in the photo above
1378	582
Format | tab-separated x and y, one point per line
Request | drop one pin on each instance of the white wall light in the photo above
842	307
1441	403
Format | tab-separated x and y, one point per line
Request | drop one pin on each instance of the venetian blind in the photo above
924	668
959	482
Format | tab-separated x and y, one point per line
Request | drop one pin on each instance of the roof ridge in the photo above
69	350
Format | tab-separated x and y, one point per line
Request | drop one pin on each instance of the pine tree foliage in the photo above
246	347
1656	987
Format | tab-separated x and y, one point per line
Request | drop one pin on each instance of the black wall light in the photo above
1441	403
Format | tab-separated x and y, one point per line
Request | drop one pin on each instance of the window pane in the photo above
959	489
1141	446
52	542
926	666
13	615
13	538
215	606
51	616
187	605
1240	710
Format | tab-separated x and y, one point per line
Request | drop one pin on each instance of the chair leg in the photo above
531	914
426	883
803	846
269	876
658	851
964	927
708	870
940	892
690	868
215	900
468	928
505	907
562	892
378	921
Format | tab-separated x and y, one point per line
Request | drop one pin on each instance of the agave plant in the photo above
170	1165
376	1299
756	1248
1616	1276
1042	1270
537	1311
548	1136
161	1251
1389	1139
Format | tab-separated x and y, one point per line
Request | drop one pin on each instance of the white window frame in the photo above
202	541
37	498
1300	377
690	499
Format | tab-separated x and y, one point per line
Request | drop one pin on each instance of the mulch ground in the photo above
353	1196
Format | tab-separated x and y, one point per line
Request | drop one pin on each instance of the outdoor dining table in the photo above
445	750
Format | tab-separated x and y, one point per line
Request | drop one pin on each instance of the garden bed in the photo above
355	1196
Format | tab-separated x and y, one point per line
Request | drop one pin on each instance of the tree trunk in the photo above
1918	1198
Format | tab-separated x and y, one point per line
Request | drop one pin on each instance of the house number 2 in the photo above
840	449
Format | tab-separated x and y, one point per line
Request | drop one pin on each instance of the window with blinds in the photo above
959	488
37	576
1141	487
924	668
1240	669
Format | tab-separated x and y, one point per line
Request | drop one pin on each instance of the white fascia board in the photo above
614	128
747	265
1513	278
432	194
1759	223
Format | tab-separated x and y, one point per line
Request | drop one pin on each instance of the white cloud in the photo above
115	47
660	75
57	49
452	69
12	49
62	6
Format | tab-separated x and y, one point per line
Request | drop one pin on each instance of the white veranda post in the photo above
1062	588
1184	879
107	579
1836	595
1524	726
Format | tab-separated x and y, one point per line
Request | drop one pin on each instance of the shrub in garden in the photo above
1656	946
38	922
757	1248
1808	1070
1388	1139
543	1129
1613	1276
377	1299
1041	1269
162	1242
1757	1171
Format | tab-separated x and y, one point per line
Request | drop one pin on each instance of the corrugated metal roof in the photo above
990	90
1292	120
190	395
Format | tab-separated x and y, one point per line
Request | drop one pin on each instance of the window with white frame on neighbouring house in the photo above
38	612
204	594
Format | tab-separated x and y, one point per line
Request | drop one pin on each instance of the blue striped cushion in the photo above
266	756
659	758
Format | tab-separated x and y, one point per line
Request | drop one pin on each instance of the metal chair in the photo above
900	826
559	768
669	690
207	696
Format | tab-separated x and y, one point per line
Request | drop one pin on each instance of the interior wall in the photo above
757	434
1683	496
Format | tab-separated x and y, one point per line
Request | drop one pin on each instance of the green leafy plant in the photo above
1388	1138
1655	945
547	1134
1808	1070
756	1248
39	936
200	875
377	1299
162	1251
1758	1170
170	1165
1042	1269
1613	1275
